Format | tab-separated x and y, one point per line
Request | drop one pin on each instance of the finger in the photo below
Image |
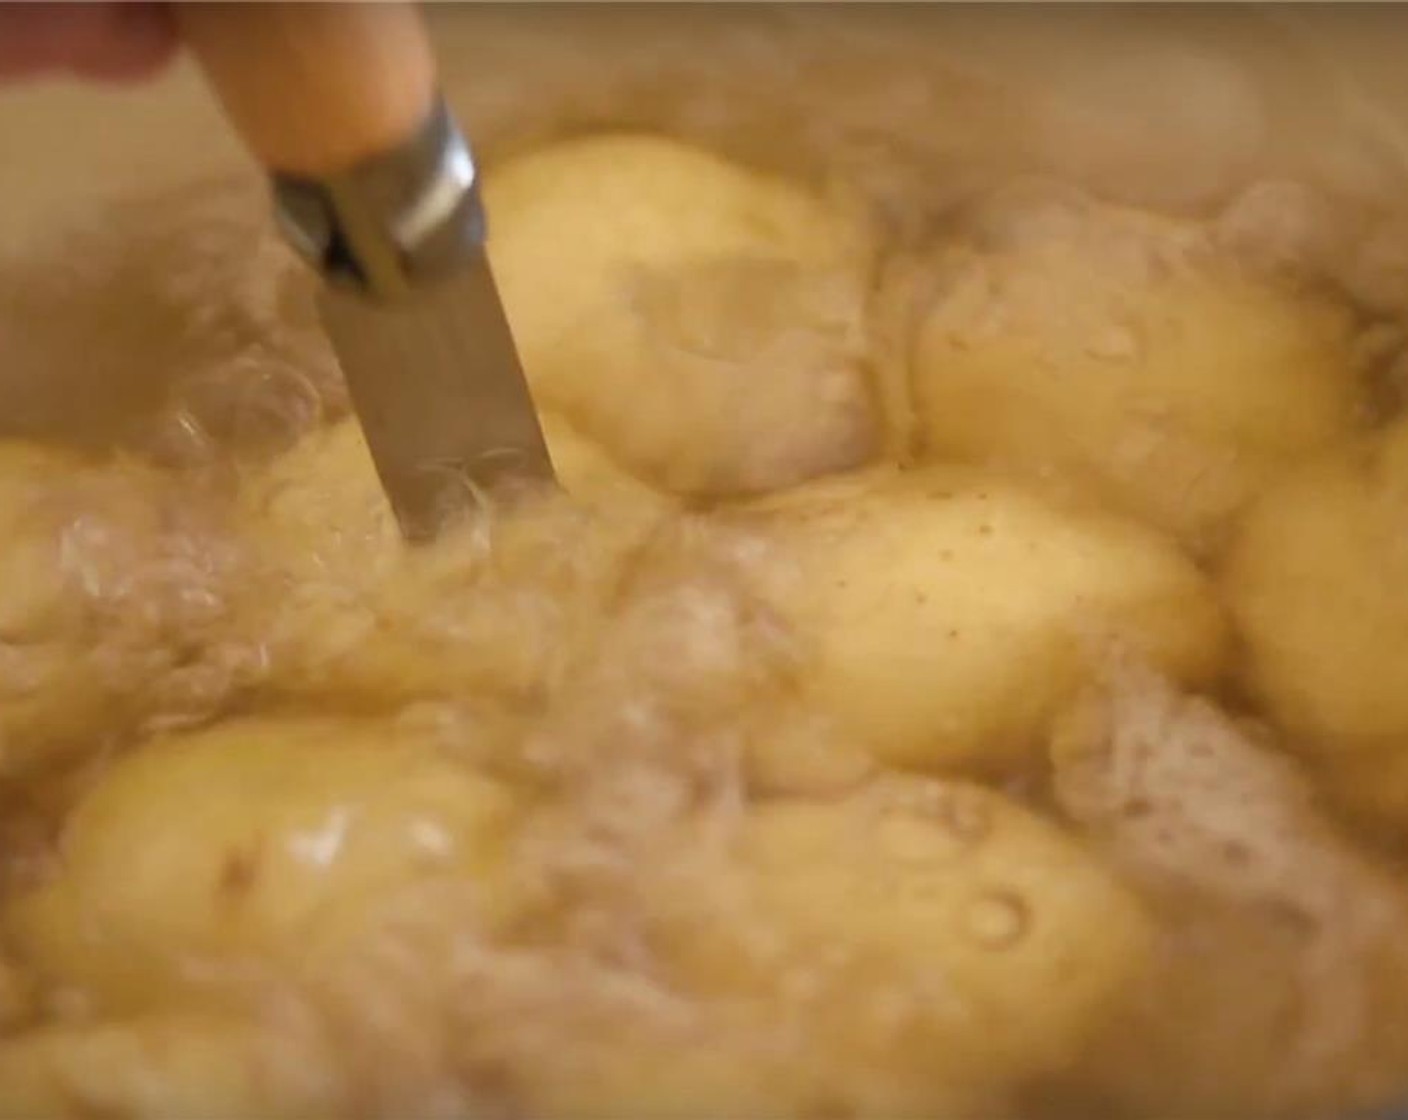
129	41
97	40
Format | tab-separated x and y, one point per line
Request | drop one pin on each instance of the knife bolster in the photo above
392	223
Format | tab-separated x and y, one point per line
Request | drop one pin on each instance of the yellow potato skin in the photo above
201	862
701	320
1283	989
166	1067
53	695
585	470
1313	581
1119	351
918	940
736	1062
348	615
324	494
639	1075
943	614
113	603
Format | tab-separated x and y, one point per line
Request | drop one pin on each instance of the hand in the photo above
102	41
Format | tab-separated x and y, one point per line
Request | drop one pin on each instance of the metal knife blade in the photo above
438	388
376	187
411	307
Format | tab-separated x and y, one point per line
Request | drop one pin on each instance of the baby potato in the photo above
52	694
112	602
1118	350
347	612
944	614
326	490
589	474
725	1064
165	1067
700	320
923	939
1282	981
640	1075
1314	584
200	862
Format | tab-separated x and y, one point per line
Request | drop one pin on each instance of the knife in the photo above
375	186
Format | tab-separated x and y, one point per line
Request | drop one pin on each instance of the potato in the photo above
201	863
943	614
326	490
166	1067
1116	349
1313	581
702	321
917	940
113	601
347	612
589	474
725	1065
53	695
1281	987
661	1075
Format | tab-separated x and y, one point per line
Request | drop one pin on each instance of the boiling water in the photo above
623	672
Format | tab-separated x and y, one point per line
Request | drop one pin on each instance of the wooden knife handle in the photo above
314	88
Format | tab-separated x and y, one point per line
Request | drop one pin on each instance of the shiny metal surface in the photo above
394	222
414	315
436	383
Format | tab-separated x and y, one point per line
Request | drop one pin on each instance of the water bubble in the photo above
997	919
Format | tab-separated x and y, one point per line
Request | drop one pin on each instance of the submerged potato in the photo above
916	940
327	488
683	1074
1315	582
166	1067
736	1064
113	601
945	614
589	474
1282	982
349	615
201	862
51	693
1118	350
701	320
